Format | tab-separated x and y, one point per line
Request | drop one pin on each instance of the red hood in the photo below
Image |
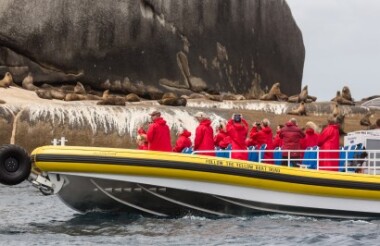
185	133
159	121
267	130
242	124
205	122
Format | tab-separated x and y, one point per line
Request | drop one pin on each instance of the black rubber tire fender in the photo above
15	164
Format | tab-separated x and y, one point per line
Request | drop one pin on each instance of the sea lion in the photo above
74	97
340	100
7	80
57	94
132	97
302	97
44	93
303	94
108	99
79	88
376	125
169	95
301	110
68	88
232	97
274	94
365	121
346	94
27	83
173	101
336	110
92	97
217	98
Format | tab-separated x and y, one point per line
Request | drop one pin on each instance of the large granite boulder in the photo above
149	46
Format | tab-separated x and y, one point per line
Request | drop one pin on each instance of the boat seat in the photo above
222	152
252	154
306	156
310	157
263	147
187	150
277	156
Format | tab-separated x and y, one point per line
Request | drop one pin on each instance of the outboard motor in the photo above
15	164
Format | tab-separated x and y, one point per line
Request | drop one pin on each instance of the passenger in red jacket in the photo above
268	136
158	134
204	135
183	140
221	138
256	136
237	129
329	140
277	141
311	136
291	136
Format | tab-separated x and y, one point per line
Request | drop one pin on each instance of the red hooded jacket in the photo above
238	133
310	140
183	141
256	137
291	136
222	140
204	137
329	140
159	135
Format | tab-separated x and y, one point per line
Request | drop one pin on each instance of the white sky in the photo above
342	42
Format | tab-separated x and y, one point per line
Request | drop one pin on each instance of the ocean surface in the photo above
29	218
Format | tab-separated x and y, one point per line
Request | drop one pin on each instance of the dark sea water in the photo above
29	218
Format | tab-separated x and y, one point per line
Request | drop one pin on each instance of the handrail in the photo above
351	162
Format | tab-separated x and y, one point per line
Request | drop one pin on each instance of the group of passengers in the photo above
235	133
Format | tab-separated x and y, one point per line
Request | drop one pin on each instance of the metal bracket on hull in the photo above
47	184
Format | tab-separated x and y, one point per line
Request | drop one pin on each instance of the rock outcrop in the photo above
159	45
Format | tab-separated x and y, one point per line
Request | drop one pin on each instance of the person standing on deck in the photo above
237	129
204	135
329	140
158	134
267	131
291	136
277	141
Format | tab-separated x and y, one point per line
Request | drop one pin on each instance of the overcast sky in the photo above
342	42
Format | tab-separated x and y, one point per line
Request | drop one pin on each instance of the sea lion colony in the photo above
134	92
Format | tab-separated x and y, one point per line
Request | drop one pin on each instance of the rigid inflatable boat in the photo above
163	184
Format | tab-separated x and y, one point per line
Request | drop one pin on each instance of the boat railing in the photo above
343	160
